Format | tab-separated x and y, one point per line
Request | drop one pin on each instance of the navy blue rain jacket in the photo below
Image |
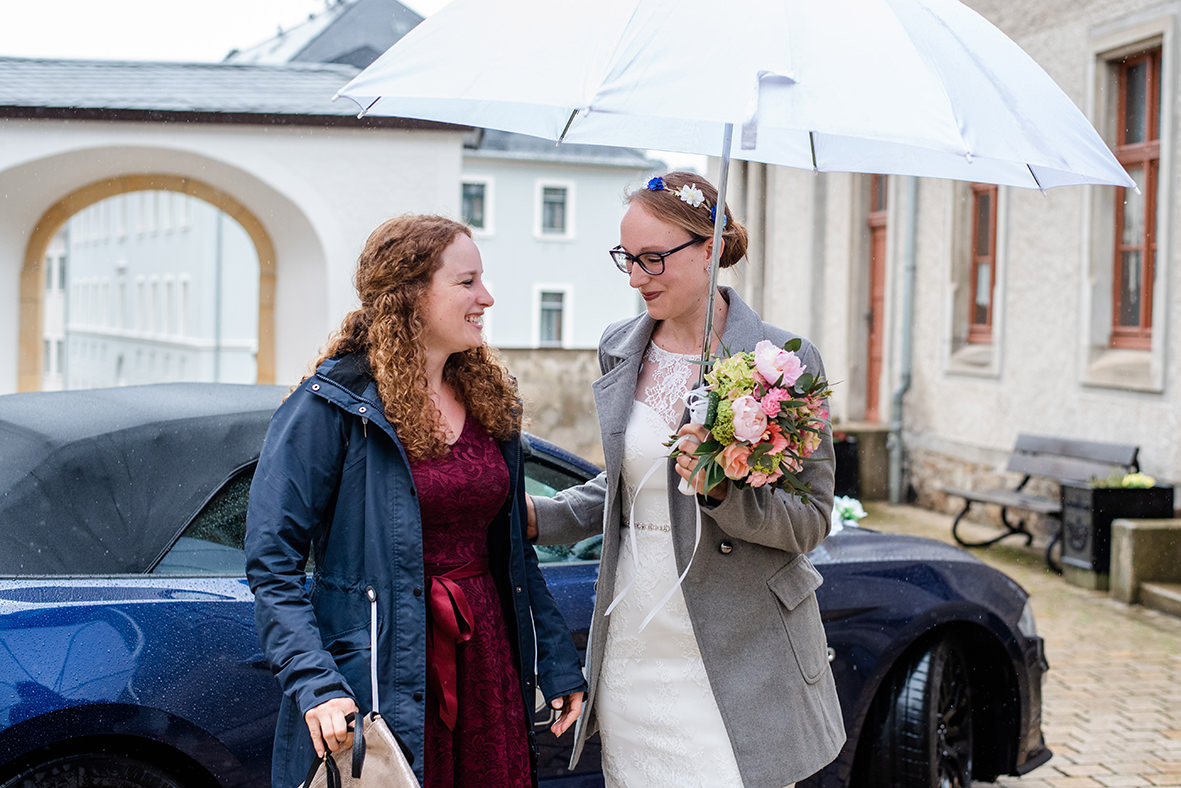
333	478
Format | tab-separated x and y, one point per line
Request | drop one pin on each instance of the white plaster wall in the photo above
318	192
161	312
518	263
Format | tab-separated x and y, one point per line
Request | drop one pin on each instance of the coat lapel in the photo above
743	330
615	391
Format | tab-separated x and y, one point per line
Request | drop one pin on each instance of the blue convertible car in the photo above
128	655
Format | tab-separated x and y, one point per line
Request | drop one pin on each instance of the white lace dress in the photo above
660	724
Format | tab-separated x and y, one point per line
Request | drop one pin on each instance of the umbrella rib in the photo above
569	123
812	146
1033	175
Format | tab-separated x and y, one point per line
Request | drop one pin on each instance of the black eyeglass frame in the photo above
623	260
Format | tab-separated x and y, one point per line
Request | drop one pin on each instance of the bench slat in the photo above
1009	498
1073	469
1121	454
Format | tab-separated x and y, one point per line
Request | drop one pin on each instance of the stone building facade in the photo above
998	311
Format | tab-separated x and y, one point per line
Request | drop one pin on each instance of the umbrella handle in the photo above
719	223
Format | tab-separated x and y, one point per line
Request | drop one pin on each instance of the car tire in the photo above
92	770
921	726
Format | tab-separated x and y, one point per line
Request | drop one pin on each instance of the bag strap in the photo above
358	746
333	777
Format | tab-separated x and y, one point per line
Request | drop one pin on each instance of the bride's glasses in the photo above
652	263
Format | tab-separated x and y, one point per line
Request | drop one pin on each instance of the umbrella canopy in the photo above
905	87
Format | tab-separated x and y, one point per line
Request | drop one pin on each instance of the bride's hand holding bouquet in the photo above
766	415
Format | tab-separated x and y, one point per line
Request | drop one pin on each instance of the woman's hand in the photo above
693	435
328	727
570	707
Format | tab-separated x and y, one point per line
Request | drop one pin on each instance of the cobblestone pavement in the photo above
1112	697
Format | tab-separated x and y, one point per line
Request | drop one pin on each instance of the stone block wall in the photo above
556	386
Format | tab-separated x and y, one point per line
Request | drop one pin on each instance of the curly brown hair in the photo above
394	272
668	207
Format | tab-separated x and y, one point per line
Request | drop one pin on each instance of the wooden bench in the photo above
1040	456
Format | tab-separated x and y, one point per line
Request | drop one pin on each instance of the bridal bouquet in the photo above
765	415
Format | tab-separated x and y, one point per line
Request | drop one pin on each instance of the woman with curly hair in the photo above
397	468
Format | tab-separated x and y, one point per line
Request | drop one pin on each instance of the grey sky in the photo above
150	29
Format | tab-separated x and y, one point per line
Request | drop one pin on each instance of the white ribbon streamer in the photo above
631	519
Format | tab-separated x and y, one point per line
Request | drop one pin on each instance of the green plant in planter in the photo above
1124	481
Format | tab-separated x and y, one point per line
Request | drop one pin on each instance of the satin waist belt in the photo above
451	624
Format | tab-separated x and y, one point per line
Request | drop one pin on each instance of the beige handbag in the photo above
376	759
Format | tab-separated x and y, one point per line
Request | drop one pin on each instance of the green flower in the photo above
723	428
766	463
733	377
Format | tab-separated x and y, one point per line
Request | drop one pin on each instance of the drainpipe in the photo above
217	300
906	322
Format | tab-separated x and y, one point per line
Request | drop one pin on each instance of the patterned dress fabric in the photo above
660	725
460	495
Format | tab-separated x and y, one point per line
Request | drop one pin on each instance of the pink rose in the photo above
776	365
733	460
749	420
757	479
771	401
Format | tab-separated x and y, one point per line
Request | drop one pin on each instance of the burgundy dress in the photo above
477	736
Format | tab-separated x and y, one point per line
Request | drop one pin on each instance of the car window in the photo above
214	542
545	480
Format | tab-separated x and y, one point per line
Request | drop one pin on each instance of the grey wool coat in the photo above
751	590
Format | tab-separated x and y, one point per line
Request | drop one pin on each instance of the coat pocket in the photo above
340	611
795	587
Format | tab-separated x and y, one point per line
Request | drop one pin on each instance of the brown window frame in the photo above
981	333
1144	154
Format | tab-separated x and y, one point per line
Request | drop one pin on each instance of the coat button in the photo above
315	387
362	409
418	592
726	547
418	696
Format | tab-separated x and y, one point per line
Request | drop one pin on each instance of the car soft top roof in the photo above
101	481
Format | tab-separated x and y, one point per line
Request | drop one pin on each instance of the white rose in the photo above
692	195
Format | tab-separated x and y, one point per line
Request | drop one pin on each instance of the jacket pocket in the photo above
795	587
340	611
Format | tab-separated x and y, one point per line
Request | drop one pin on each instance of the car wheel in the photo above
94	770
922	725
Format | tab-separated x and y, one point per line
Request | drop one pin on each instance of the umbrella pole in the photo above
719	224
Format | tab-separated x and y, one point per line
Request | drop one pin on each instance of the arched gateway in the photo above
302	175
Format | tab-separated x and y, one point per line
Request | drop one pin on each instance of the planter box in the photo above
1087	513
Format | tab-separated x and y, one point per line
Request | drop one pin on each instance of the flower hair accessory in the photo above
690	194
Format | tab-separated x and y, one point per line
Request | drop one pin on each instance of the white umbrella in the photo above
904	87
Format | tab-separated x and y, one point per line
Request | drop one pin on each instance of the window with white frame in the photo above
552	310
555	210
475	204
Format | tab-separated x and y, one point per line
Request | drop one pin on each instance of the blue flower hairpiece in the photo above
690	194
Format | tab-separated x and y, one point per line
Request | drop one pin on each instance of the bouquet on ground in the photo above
766	416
